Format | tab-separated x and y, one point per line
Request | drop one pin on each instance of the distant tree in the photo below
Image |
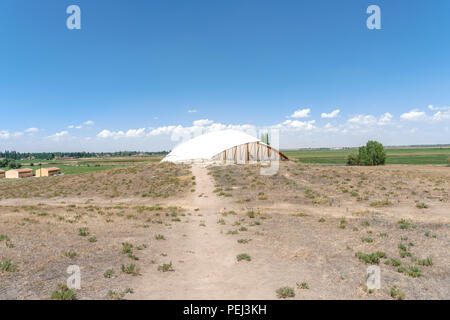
265	138
14	165
372	154
352	159
10	164
51	155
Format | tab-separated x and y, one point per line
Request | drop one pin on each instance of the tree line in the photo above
372	154
52	155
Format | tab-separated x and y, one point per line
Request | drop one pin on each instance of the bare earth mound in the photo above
227	232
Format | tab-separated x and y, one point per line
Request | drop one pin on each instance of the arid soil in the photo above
42	236
154	180
228	232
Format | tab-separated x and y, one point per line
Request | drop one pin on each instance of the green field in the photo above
86	165
70	169
400	155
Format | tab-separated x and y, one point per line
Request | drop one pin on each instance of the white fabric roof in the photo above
208	145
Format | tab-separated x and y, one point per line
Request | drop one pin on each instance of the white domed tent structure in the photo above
229	146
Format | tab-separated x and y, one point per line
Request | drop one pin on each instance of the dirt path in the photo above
204	259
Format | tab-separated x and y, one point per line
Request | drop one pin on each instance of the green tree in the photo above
352	159
372	154
265	138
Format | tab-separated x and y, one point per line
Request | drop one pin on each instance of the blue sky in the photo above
140	73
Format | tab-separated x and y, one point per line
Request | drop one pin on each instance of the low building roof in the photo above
2	171
22	170
51	168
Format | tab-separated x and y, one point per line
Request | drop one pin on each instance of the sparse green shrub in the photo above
393	262
113	295
300	214
243	256
302	285
425	262
370	258
380	203
421	205
285	292
396	293
132	256
166	267
108	273
84	232
64	293
127	247
7	266
412	271
70	254
131	269
404	224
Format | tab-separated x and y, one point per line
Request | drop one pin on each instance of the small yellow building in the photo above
2	174
47	172
19	173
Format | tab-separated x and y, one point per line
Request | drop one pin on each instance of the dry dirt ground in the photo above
312	228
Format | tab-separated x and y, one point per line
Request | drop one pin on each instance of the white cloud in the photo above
57	136
363	119
385	119
162	130
330	128
443	108
4	134
202	122
87	123
192	111
301	113
60	134
332	114
296	125
105	134
131	133
176	133
413	115
135	133
370	120
32	130
441	115
294	133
